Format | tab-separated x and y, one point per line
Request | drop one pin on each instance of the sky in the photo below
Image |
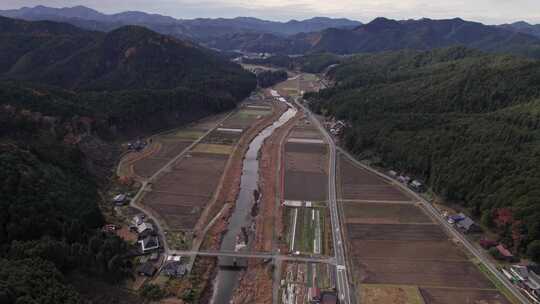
485	11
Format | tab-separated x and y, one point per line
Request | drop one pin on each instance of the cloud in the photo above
487	11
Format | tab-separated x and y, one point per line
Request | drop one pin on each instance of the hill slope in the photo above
154	74
127	58
64	92
466	122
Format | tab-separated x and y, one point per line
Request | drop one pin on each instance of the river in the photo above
227	279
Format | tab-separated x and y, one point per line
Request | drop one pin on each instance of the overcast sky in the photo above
486	11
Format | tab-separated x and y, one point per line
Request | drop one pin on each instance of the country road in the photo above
342	279
254	255
451	230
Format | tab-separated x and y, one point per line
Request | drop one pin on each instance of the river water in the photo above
227	279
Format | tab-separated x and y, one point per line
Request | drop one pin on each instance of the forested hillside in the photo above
267	79
66	96
149	81
466	122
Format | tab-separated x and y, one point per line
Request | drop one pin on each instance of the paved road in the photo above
342	279
453	232
254	255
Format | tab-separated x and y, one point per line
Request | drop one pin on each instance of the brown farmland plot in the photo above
417	250
222	138
462	296
382	213
360	184
305	172
148	166
389	294
402	232
171	148
309	133
179	196
461	274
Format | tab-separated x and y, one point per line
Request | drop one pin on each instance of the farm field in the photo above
398	253
299	280
306	172
168	150
308	230
389	294
451	296
244	118
222	137
299	83
169	145
377	213
180	195
305	132
213	149
359	184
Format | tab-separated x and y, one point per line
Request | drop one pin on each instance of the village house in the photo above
149	243
467	225
120	199
174	267
145	229
147	269
504	253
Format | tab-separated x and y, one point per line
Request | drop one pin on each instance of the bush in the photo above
495	253
152	292
533	251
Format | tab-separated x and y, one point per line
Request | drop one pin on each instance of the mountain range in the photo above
523	27
316	35
388	35
197	29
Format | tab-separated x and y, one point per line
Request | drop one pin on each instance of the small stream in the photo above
227	279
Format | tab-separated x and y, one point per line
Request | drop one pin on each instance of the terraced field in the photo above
398	253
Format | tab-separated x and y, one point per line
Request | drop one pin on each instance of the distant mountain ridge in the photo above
523	27
195	28
384	34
